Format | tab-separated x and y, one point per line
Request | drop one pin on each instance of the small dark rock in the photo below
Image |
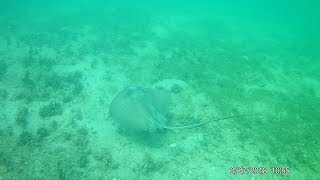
27	81
52	109
67	98
54	81
67	136
82	141
74	77
149	165
83	160
3	69
83	131
21	116
54	125
77	89
176	89
3	94
25	138
42	133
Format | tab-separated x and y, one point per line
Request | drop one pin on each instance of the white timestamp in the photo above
239	170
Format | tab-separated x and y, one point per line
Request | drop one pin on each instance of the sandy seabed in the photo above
57	82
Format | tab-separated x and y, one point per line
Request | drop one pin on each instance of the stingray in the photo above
144	109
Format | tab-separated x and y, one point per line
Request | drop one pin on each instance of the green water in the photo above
62	63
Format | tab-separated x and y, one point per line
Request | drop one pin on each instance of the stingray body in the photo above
140	109
144	109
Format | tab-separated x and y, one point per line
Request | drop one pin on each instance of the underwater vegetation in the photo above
52	109
50	85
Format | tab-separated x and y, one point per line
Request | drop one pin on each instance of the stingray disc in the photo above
140	109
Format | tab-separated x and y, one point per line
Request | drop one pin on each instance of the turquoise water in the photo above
63	63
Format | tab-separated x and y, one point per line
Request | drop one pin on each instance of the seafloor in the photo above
59	74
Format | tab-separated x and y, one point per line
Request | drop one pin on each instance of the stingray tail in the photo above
201	124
